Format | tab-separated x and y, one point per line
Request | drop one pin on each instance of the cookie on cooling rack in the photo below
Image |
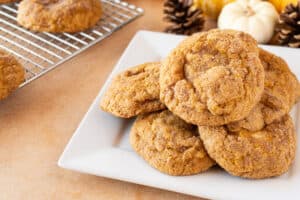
59	16
169	144
252	154
133	92
280	94
11	74
213	78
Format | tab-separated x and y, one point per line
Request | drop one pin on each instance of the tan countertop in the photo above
37	121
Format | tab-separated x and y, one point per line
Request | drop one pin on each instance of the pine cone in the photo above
288	29
183	17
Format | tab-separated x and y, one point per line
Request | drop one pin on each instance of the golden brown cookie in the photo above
58	16
280	94
298	93
133	92
11	74
169	144
213	78
261	154
8	1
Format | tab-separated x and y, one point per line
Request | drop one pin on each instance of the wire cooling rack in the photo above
41	52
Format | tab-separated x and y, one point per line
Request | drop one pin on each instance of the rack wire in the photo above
42	52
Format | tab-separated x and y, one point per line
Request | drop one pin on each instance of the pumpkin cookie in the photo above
280	94
8	1
11	74
213	78
134	92
59	16
261	154
169	144
298	93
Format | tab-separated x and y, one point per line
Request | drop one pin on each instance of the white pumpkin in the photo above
256	17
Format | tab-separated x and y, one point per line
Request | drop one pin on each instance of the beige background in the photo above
37	121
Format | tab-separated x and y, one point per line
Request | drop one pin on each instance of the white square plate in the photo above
100	145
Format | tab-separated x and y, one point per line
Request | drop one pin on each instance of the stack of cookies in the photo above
216	99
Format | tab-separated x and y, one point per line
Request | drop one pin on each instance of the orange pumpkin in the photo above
211	8
281	4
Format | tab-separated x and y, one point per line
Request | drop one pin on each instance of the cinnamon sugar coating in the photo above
280	94
12	74
213	78
260	154
59	16
133	92
169	144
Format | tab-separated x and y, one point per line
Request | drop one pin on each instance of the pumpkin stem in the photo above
249	11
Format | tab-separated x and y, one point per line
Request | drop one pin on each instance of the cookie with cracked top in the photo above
252	154
169	144
58	16
213	78
133	92
12	74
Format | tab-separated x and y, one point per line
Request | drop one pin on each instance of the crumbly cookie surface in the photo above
169	144
213	78
58	16
133	92
11	74
261	154
280	94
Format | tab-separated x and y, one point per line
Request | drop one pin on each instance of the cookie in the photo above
261	154
8	1
169	144
11	74
133	92
298	93
59	16
213	78
280	94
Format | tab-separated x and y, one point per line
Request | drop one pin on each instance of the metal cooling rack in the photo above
41	52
